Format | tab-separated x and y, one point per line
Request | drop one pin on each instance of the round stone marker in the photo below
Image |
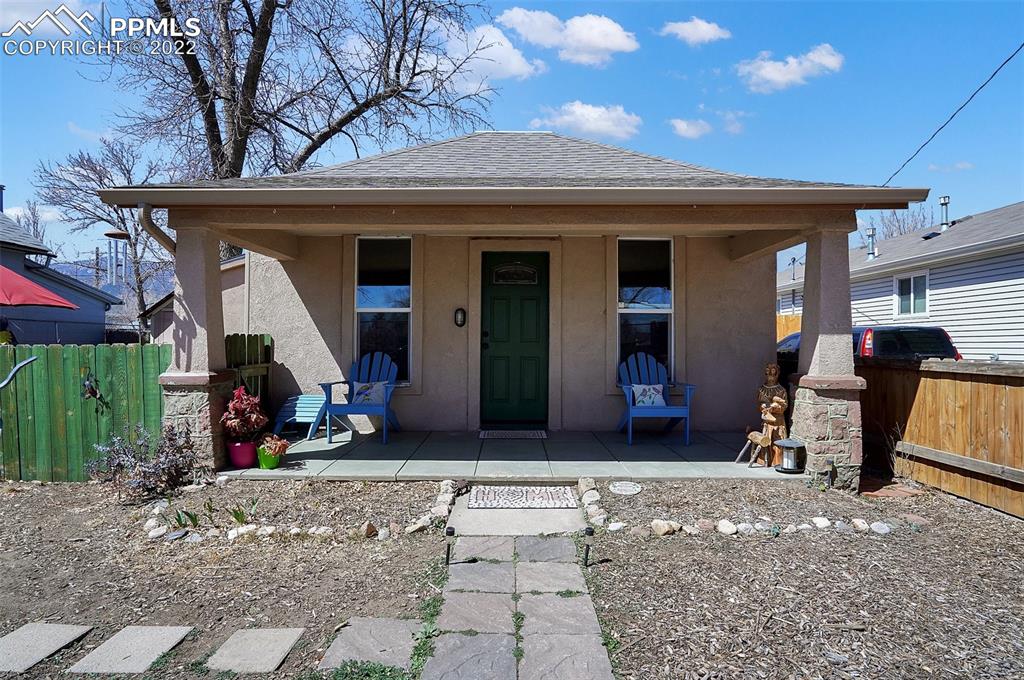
624	488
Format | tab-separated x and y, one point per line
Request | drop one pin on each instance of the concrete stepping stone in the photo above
472	657
255	650
564	657
480	612
385	641
132	650
500	548
549	577
25	647
547	614
483	577
540	549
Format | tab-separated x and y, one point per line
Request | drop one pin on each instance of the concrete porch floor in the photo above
563	456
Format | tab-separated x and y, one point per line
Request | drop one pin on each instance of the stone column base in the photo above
826	417
196	401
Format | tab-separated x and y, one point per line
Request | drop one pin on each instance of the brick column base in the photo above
196	402
826	417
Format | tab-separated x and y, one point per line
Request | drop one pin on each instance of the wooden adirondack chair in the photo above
643	369
376	367
301	409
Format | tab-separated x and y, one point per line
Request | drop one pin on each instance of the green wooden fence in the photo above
51	425
250	356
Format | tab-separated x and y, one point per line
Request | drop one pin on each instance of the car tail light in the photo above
867	343
956	352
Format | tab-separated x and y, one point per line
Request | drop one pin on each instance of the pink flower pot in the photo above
242	454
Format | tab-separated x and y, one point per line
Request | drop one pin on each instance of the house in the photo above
966	277
45	325
508	274
160	314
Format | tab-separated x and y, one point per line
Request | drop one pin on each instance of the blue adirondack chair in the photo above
301	409
643	369
376	367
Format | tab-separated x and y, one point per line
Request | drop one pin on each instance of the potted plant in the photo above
242	421
270	451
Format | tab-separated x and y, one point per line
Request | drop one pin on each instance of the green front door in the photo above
514	340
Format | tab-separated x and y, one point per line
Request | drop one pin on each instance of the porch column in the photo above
826	409
195	384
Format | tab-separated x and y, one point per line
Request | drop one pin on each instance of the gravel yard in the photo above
941	596
70	553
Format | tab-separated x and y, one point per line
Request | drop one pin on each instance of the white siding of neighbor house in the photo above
790	302
979	302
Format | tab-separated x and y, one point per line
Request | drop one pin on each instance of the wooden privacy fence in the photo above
955	425
52	420
250	357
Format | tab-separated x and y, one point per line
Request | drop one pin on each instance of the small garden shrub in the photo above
140	466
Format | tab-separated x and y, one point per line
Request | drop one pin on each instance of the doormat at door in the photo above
521	497
513	434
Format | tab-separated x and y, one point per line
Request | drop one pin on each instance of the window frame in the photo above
670	311
896	314
356	309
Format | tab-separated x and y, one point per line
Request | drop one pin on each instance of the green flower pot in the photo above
267	461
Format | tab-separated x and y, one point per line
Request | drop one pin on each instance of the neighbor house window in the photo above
645	298
384	299
912	295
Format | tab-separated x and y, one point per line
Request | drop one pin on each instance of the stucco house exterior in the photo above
966	277
45	325
565	255
160	314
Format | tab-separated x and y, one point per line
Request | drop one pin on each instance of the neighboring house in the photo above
508	274
32	325
967	278
160	314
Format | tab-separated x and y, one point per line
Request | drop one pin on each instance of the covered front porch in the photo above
563	457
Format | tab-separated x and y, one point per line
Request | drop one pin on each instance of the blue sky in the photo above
820	91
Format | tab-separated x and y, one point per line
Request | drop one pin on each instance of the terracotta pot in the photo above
242	454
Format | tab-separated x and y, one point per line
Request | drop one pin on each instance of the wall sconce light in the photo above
460	317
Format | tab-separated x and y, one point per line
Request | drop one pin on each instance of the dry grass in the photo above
945	600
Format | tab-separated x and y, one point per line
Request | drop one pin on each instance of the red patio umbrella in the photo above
16	290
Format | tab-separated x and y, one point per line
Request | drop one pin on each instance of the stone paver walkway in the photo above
515	618
132	650
255	650
33	642
384	641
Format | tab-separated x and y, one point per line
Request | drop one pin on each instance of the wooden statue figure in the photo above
772	402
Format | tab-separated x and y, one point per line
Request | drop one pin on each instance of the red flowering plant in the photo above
273	445
244	418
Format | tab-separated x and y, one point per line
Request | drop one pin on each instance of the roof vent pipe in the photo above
2	187
872	245
944	202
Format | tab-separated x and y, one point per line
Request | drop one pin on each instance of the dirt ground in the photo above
70	553
942	596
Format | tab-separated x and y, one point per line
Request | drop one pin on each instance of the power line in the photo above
959	109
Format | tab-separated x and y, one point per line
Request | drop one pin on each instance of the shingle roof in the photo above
997	226
510	159
13	235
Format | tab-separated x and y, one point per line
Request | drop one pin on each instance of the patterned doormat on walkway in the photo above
513	434
520	497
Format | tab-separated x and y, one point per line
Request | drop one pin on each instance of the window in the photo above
912	295
645	298
384	299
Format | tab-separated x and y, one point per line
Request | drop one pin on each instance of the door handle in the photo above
484	345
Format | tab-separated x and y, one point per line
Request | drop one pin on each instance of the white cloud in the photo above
696	31
765	75
496	59
589	39
591	120
47	213
690	129
732	121
86	134
955	167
